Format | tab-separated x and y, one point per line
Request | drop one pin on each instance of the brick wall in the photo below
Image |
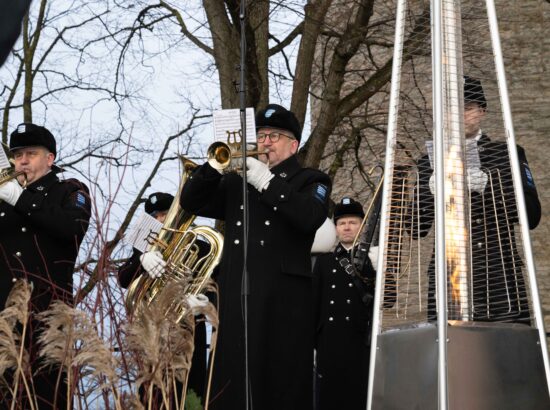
525	37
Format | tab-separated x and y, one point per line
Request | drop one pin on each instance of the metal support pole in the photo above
389	165
518	185
439	166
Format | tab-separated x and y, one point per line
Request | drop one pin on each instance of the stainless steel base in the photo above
490	366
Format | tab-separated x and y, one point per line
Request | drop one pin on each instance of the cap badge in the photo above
154	199
269	113
346	201
21	128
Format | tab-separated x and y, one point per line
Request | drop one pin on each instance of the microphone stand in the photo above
245	284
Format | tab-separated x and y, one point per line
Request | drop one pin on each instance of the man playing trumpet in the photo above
41	228
287	203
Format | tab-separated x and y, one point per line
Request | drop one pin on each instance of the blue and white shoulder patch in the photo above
321	192
529	176
80	199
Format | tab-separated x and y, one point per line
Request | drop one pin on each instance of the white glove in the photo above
10	192
477	180
237	160
432	184
153	263
197	303
373	255
258	174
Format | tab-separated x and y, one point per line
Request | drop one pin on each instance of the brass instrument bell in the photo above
227	156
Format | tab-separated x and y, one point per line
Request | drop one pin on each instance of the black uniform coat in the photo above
342	332
499	287
282	224
39	240
131	269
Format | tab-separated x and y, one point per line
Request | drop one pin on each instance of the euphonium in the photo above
224	156
177	242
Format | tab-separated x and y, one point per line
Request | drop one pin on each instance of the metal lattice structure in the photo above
455	249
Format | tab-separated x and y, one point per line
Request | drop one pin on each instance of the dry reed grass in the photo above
163	347
13	329
159	347
70	341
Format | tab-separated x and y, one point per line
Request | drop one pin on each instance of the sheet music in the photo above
228	123
145	225
471	157
4	161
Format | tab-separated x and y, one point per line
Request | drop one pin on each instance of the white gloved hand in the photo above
153	263
477	180
237	160
10	192
373	255
258	174
197	303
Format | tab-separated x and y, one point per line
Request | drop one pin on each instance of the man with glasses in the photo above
343	305
286	205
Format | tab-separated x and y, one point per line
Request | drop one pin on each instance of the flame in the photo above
456	233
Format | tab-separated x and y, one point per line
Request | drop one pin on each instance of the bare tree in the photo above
92	72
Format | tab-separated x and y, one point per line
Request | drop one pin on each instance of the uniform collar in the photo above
341	250
45	182
483	139
287	168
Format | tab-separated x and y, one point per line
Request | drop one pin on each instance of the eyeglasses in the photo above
273	137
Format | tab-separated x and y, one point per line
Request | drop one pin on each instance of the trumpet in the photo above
227	156
7	174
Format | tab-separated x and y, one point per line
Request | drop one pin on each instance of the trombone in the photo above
365	235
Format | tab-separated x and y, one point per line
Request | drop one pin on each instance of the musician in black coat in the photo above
344	308
41	228
499	292
287	203
157	206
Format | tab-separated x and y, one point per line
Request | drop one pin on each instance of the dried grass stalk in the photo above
17	303
132	402
163	348
70	341
13	354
